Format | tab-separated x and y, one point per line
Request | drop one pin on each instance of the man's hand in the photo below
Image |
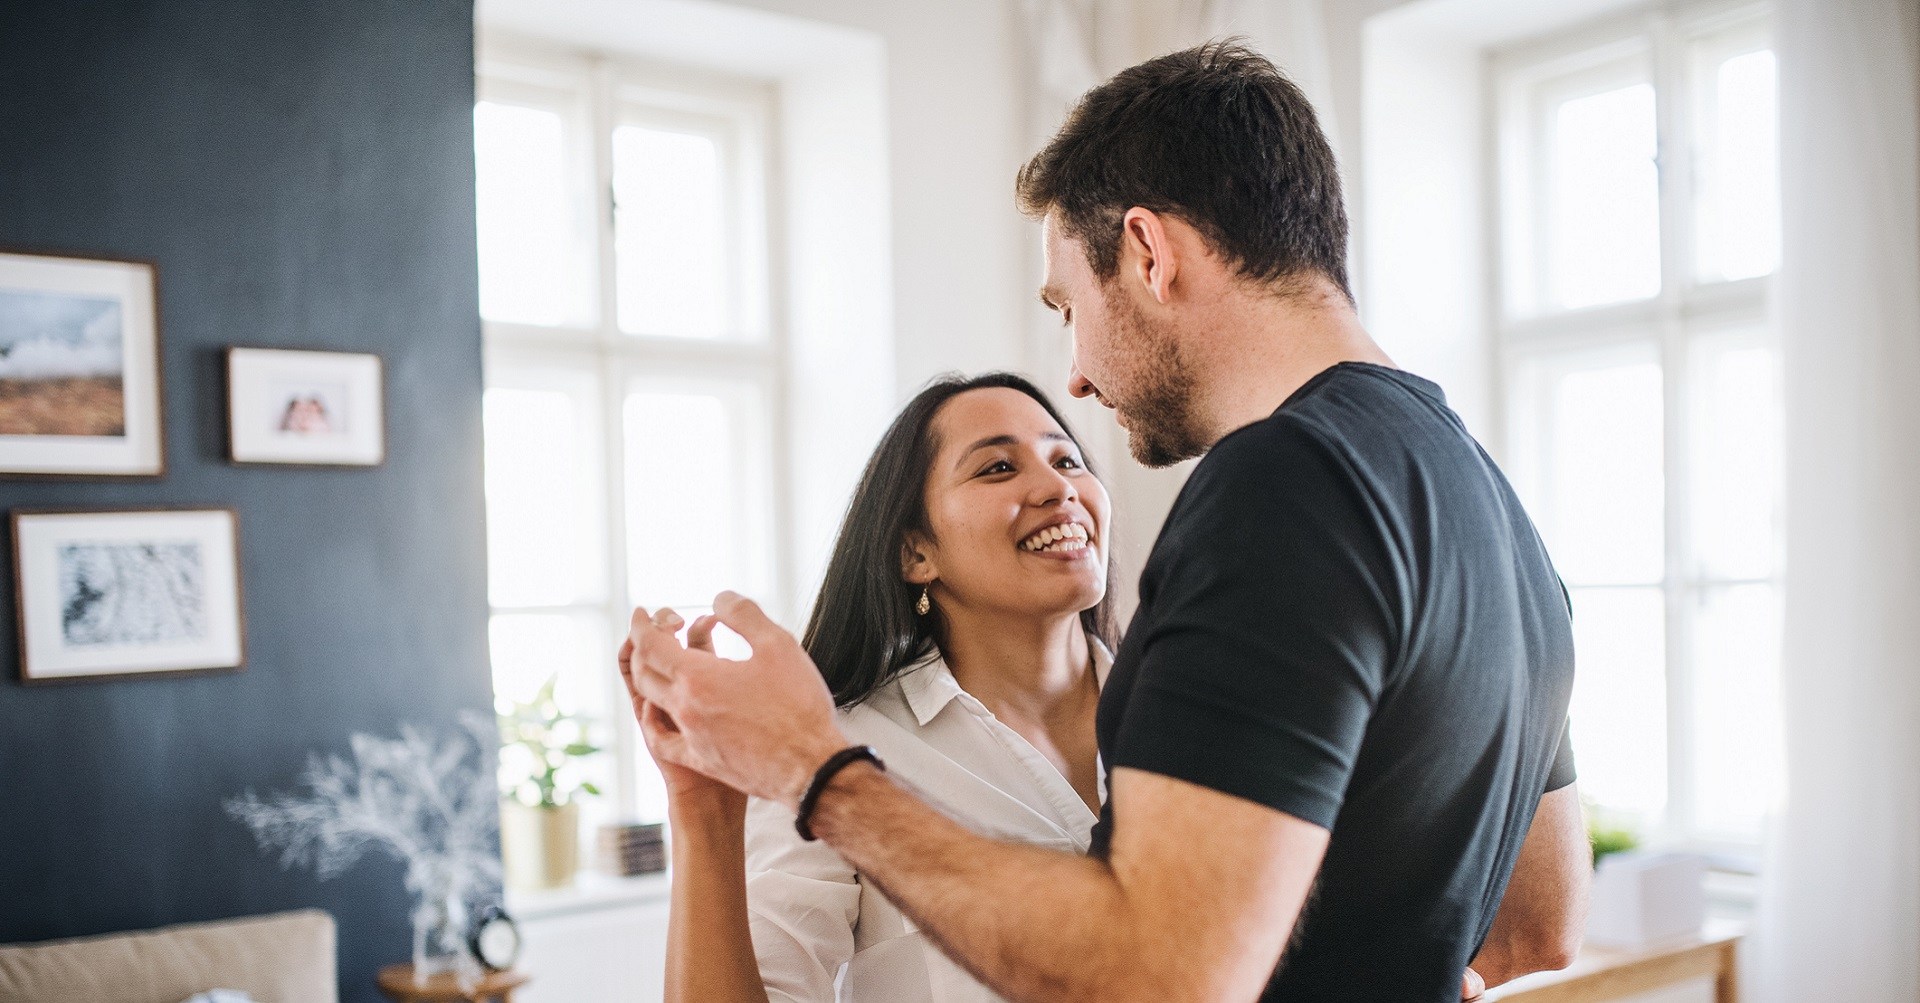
761	725
688	791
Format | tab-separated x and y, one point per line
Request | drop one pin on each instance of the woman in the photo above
964	630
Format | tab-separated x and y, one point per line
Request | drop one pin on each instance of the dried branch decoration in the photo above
429	803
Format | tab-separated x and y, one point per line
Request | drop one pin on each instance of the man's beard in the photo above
1161	427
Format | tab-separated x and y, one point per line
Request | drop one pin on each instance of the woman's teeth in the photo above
1064	538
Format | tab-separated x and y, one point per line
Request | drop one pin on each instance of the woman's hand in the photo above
691	796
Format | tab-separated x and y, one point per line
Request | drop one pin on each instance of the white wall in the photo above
1422	251
954	140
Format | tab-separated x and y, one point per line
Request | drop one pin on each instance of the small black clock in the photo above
495	939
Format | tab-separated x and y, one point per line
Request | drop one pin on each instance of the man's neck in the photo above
1260	349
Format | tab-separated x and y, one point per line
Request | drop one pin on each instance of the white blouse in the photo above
821	932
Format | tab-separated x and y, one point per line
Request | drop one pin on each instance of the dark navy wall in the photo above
303	175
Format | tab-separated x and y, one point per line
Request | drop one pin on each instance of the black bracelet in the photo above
834	764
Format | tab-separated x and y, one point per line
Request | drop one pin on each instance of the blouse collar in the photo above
929	686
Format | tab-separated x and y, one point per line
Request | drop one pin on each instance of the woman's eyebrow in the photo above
1006	440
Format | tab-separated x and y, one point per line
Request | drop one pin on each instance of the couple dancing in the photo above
1329	759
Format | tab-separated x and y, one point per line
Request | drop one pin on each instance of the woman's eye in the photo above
1071	462
998	467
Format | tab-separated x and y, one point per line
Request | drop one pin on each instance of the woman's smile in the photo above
1070	540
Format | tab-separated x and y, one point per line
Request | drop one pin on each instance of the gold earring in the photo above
925	605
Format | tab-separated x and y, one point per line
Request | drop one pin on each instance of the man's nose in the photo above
1077	384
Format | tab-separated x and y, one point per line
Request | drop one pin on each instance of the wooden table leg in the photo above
1726	986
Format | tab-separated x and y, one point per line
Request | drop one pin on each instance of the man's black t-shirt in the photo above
1348	617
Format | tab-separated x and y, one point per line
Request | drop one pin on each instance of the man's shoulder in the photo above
1279	457
1277	484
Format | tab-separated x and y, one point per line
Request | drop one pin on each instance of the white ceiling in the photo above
721	36
1490	22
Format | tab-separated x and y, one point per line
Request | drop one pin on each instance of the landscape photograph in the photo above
61	364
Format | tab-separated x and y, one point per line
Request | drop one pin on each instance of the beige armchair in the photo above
282	958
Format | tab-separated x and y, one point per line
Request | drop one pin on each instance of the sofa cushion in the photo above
283	958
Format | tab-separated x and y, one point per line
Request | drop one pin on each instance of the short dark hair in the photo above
1214	135
864	628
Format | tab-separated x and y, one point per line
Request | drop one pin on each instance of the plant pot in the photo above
1641	898
540	847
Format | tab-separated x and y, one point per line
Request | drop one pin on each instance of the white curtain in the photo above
1840	915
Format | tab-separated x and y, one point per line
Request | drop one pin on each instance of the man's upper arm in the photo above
1214	881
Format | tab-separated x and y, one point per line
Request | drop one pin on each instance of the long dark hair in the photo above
864	629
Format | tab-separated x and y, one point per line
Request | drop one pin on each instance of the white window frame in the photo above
1684	313
599	364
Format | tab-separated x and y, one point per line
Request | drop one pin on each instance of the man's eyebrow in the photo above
1007	440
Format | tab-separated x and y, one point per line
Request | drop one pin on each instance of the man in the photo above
1337	724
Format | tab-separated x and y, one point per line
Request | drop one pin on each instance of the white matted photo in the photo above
79	367
127	592
301	407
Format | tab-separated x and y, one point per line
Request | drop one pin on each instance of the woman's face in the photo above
1019	525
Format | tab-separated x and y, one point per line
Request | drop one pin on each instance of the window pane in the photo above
539	534
670	233
1602	199
529	267
1736	729
1619	713
697	509
1735	461
578	648
530	648
1738	218
1601	502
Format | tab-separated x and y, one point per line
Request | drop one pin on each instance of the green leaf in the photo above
590	788
581	749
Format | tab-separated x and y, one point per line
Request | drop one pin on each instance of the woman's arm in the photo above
710	956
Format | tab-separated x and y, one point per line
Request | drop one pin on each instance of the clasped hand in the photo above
760	725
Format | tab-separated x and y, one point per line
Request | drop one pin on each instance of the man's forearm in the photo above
1544	911
1033	924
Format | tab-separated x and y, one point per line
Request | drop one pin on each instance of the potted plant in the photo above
1608	837
1640	897
540	749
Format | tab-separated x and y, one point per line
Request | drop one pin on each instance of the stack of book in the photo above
631	848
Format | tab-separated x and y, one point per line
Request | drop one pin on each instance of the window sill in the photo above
590	892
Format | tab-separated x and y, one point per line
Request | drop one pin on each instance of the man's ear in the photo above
1147	254
916	561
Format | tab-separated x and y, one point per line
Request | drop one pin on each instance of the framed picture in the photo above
310	408
79	368
127	592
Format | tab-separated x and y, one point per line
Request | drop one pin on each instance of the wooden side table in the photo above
396	981
1611	974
